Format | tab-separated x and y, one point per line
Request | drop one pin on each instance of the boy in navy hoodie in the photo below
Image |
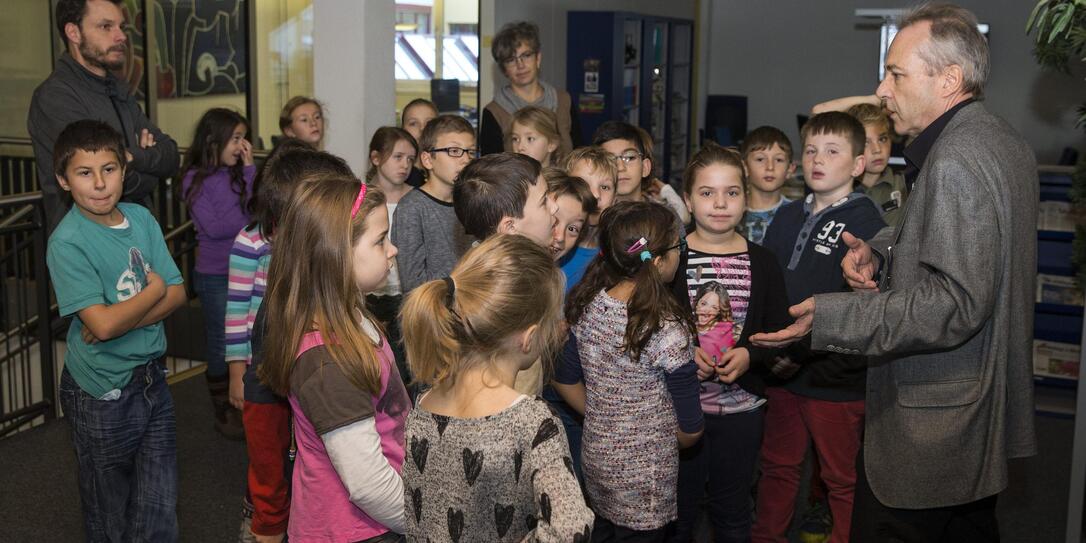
824	400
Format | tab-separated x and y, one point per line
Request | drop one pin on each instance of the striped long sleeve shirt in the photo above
249	260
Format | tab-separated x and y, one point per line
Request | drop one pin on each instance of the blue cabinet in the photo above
635	68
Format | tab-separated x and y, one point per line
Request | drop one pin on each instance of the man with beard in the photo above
83	86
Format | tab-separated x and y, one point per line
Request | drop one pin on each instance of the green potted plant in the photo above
1059	31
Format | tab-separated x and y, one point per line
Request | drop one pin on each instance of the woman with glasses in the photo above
516	49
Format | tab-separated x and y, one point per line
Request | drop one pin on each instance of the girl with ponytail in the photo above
628	367
486	462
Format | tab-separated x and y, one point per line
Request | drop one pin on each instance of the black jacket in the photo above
767	311
71	93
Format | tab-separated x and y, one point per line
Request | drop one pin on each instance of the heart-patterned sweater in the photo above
505	477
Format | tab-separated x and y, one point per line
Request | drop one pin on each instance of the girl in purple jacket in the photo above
217	186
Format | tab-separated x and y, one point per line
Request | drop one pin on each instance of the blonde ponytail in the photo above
432	348
504	285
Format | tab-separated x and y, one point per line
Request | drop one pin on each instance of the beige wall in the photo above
461	11
409	90
25	61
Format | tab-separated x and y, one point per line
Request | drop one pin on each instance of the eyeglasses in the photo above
522	58
457	152
627	158
681	246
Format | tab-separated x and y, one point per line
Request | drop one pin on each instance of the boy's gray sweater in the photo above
429	238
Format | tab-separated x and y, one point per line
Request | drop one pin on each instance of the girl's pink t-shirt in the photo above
321	507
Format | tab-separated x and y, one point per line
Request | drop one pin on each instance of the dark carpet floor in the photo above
39	500
39	497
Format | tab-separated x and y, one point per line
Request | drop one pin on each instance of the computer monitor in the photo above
445	93
726	119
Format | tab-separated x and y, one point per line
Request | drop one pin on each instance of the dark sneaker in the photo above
817	524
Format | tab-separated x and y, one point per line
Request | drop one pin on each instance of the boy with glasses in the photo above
623	142
425	229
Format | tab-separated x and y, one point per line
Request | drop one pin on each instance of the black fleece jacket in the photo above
72	93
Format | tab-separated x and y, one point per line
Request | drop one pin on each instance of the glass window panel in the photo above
283	59
471	41
466	63
423	46
420	26
408	63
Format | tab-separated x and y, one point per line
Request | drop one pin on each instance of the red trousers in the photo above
267	436
791	422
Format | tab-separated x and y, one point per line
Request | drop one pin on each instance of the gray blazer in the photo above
950	334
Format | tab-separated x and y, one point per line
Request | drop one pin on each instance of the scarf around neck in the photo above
511	102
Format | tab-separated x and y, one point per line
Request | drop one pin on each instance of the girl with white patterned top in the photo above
628	366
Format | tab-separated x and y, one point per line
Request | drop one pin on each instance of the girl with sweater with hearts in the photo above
485	462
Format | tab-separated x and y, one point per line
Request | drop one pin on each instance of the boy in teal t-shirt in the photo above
113	274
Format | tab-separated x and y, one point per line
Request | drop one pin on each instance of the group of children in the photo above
463	348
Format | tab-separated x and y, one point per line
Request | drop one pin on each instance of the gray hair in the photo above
955	40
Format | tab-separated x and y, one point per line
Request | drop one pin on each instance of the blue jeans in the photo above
127	457
212	292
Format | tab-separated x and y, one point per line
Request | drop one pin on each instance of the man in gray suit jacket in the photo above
944	304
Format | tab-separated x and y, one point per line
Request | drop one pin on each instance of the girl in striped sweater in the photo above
266	416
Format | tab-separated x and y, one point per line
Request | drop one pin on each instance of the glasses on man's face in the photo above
627	158
457	152
522	58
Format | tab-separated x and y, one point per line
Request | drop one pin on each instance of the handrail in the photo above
30	197
26	142
15	199
184	227
21	198
18	215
